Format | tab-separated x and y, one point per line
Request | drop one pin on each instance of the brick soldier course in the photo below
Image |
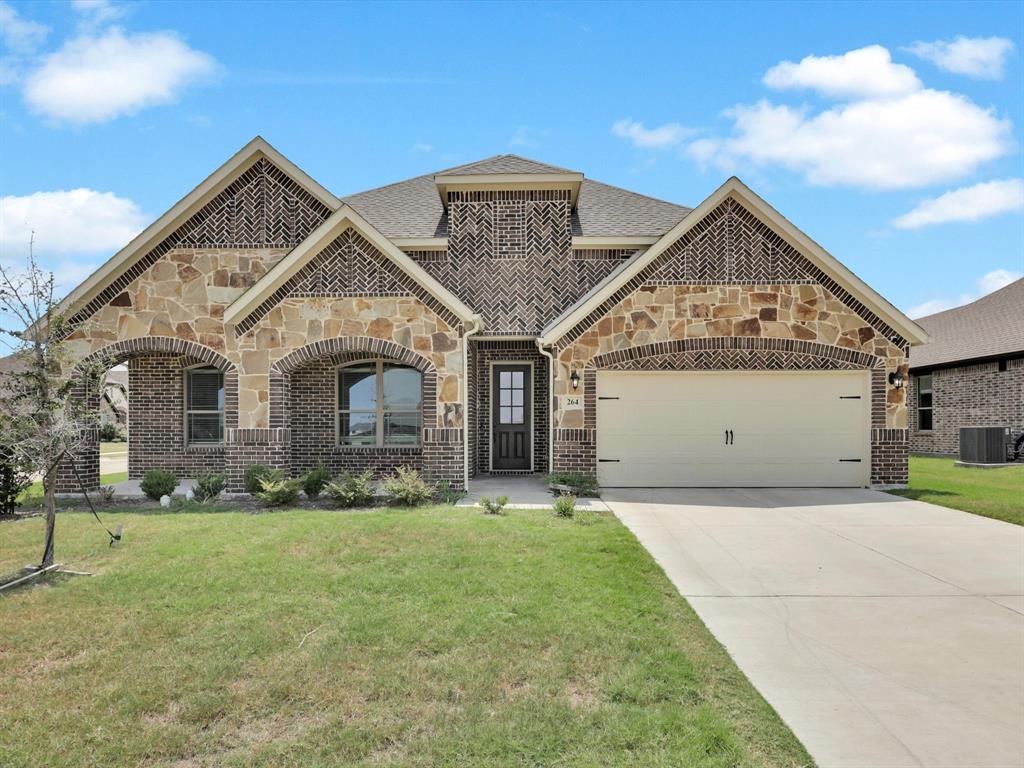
263	274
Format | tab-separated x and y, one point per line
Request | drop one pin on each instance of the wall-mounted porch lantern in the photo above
896	380
574	379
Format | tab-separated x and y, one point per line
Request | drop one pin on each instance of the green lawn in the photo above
32	495
107	449
430	637
997	493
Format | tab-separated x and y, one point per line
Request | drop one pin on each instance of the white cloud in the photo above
97	78
981	201
866	71
914	140
668	135
524	136
422	146
982	57
20	35
67	222
98	11
984	285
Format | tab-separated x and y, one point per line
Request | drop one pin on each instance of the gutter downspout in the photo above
475	324
551	400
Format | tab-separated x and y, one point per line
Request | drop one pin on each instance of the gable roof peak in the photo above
507	164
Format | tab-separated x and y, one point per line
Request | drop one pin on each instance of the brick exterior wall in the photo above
510	257
482	354
965	396
312	410
731	292
156	420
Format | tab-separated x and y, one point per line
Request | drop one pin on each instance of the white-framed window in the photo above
380	403
924	402
204	406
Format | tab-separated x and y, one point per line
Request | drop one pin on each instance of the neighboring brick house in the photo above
971	373
265	320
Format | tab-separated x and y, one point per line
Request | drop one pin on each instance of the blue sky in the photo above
892	145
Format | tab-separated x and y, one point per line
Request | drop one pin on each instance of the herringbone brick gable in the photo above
510	258
348	266
262	208
730	245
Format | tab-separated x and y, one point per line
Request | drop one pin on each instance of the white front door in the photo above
733	428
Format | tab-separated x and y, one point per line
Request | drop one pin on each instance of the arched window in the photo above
380	403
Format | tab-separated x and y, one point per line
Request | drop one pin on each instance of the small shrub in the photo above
208	486
112	433
565	506
352	490
275	491
158	482
254	474
445	494
494	507
107	493
579	483
315	480
406	487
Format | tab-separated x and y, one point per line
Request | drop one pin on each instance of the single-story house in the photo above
971	372
503	316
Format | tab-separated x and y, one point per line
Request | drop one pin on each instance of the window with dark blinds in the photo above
204	406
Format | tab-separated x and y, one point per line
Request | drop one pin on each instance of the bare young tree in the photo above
46	413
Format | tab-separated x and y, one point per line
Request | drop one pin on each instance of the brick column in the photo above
245	447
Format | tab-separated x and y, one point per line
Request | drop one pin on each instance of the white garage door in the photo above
733	428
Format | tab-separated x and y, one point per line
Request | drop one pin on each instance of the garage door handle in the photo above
855	461
609	461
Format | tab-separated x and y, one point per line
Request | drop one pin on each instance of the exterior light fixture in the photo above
574	379
896	380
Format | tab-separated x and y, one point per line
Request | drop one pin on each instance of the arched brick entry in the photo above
351	348
183	353
307	374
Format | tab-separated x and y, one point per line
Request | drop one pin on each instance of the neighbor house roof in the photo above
989	327
412	208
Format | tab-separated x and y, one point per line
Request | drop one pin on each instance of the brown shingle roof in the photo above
505	164
993	325
412	208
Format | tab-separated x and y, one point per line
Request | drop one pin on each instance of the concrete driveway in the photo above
885	632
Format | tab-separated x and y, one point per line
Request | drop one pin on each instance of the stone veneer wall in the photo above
731	294
964	396
350	293
482	354
803	325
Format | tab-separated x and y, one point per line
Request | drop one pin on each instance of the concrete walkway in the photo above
885	632
523	491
